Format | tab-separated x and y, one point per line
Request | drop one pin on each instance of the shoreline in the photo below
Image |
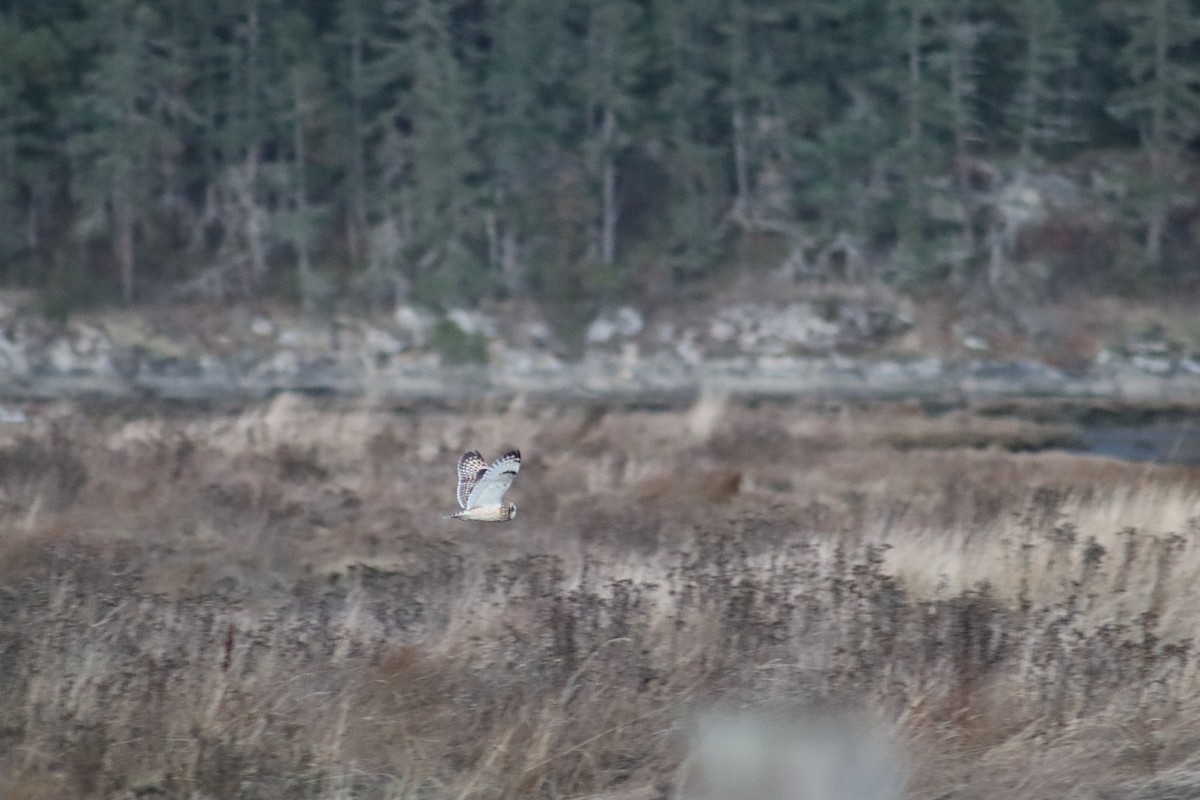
605	379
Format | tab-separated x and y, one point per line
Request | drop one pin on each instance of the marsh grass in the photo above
266	604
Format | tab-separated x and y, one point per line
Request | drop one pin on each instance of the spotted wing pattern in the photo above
489	489
471	467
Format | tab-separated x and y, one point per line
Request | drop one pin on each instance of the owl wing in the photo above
489	489
471	467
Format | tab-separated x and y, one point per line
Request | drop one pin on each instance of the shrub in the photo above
456	346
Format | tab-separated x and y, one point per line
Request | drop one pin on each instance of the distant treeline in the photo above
454	150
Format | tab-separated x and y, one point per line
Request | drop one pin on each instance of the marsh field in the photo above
265	601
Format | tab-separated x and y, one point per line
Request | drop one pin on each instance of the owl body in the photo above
487	513
481	487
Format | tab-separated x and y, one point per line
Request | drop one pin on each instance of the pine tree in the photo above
37	56
301	219
615	54
757	130
690	120
840	133
240	99
426	156
119	138
1161	100
14	116
251	112
1044	110
941	87
529	115
355	21
931	49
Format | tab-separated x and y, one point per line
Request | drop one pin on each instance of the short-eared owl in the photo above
481	488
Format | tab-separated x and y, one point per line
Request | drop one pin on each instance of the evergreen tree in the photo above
689	118
426	152
120	138
14	116
245	213
840	130
931	47
36	84
758	132
529	114
301	218
241	100
355	22
1045	106
1161	99
615	53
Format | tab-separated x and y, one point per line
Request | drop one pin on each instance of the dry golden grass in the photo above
266	603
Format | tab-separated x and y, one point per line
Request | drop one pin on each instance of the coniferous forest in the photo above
463	150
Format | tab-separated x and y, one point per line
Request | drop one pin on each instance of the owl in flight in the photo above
481	488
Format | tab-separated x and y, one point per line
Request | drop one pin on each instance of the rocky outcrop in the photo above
810	327
792	350
661	378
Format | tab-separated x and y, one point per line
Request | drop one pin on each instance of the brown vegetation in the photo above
265	603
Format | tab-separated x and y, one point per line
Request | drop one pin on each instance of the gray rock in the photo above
290	337
1190	364
84	351
622	323
1153	364
473	322
414	324
538	331
974	343
13	360
261	326
381	343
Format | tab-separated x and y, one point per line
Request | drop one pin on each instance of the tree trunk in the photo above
357	218
739	64
608	222
300	200
1157	218
1028	102
914	75
123	221
741	169
491	227
962	89
502	249
254	219
510	260
254	222
913	169
123	212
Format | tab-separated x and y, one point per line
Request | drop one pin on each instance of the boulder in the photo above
379	342
261	326
413	324
473	322
622	323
